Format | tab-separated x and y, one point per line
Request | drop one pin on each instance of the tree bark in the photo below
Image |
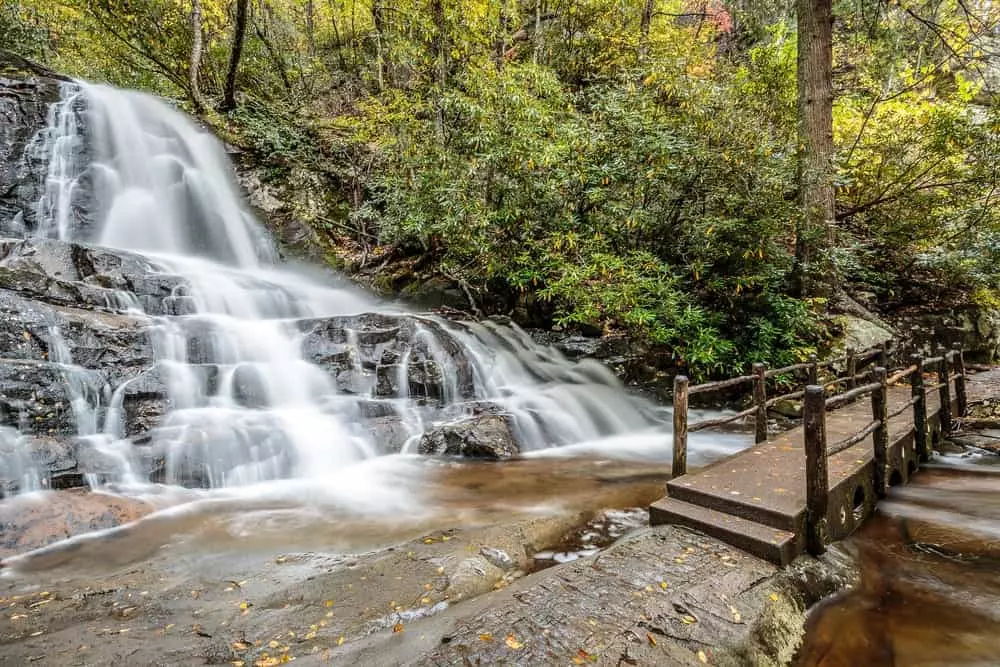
311	27
381	60
647	20
195	65
813	273
500	45
239	34
440	46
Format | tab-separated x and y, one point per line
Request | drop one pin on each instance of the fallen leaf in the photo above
688	619
340	641
774	597
651	638
328	603
664	585
512	642
702	657
486	637
736	614
273	644
398	627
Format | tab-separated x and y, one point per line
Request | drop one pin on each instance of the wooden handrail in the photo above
901	375
720	421
720	384
848	396
849	442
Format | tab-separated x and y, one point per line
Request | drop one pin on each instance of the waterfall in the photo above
246	404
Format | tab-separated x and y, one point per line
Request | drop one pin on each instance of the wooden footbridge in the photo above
862	431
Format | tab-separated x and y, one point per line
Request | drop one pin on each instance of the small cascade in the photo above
85	397
259	374
19	472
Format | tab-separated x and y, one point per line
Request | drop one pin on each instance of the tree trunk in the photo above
311	27
195	66
538	32
813	273
239	33
500	45
647	20
381	60
440	46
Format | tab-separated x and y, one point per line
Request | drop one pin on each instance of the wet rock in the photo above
485	436
78	275
26	91
380	343
31	522
117	345
390	433
145	401
36	397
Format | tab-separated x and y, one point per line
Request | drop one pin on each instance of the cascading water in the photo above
245	403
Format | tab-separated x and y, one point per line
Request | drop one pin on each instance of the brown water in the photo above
930	579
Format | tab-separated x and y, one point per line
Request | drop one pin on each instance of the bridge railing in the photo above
811	372
949	367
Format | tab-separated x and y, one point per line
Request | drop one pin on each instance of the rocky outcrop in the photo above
484	437
26	92
76	352
975	328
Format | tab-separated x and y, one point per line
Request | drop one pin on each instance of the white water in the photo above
161	187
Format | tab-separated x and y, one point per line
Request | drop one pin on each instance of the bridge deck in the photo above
772	475
756	499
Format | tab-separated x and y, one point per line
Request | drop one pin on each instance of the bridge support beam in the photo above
919	409
760	400
679	466
958	365
880	437
944	376
817	479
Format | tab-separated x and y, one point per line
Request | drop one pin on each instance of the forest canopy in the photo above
621	165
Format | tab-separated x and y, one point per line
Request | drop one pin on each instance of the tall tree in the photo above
194	68
239	33
647	20
815	137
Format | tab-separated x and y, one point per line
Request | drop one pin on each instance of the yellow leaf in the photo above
651	639
328	603
702	657
340	641
512	642
774	597
273	644
688	620
398	627
664	585
486	637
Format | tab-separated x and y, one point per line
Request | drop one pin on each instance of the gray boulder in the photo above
485	436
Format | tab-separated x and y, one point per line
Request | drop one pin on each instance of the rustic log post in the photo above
817	481
760	400
852	368
883	355
944	376
919	409
680	426
813	370
880	438
959	369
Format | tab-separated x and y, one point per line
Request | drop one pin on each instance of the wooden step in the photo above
767	512
778	546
